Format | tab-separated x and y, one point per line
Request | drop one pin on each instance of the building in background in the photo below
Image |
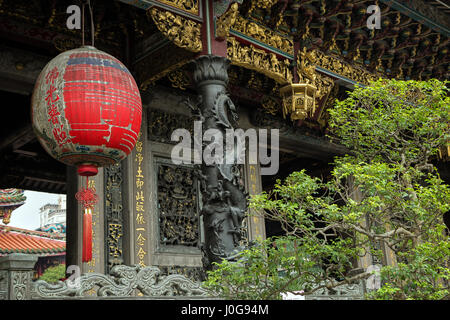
50	248
53	217
47	242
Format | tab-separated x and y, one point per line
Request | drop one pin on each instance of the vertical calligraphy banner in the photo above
255	222
139	201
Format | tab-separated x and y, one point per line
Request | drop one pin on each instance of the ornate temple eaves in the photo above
433	14
266	36
188	8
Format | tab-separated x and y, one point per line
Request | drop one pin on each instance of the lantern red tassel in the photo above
87	235
87	198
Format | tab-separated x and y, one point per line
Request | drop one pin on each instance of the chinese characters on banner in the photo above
95	248
140	203
254	190
95	216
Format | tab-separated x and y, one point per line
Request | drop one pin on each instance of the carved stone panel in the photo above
113	216
195	274
162	125
19	284
177	205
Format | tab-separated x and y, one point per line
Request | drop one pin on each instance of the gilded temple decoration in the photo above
190	6
335	65
183	32
160	70
232	20
259	60
270	105
298	100
264	35
306	71
323	115
227	20
179	79
263	4
324	85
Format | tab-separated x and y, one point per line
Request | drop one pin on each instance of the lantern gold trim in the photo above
299	100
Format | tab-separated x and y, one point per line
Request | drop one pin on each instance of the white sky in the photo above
27	216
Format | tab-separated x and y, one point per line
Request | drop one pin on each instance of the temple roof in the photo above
16	240
12	197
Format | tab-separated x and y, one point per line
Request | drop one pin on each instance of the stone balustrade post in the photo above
16	274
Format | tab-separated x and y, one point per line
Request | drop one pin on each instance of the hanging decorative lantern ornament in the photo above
298	100
86	112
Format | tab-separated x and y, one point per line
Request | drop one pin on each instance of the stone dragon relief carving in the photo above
124	281
224	199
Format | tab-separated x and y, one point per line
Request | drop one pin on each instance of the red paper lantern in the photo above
86	111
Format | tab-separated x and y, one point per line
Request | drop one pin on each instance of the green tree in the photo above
384	194
54	274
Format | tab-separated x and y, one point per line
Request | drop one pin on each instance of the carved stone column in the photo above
223	198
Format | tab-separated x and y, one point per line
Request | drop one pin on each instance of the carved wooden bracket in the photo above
183	32
259	60
239	27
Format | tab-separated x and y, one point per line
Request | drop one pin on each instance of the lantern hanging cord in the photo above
82	23
88	2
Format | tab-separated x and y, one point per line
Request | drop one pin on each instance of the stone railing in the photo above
354	291
124	282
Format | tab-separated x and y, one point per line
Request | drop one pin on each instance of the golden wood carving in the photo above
259	60
170	58
323	116
151	81
183	32
232	20
324	85
190	6
179	79
263	4
270	105
227	20
306	71
337	66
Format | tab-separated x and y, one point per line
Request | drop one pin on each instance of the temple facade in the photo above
207	65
